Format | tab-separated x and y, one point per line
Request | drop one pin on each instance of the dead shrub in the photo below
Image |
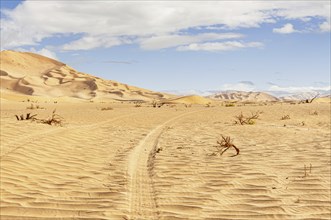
229	105
157	104
285	117
306	169
247	120
138	104
32	106
106	108
27	117
224	144
310	100
54	119
208	105
314	113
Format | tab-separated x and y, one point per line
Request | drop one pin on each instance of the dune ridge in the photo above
115	158
31	74
190	99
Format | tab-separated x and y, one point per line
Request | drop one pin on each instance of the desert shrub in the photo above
310	100
223	144
229	105
54	119
285	117
247	120
138	104
157	104
106	108
27	117
306	169
32	106
314	113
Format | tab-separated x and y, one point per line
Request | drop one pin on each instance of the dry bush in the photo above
106	108
314	113
310	100
247	120
224	144
305	170
32	106
27	117
138	104
54	119
157	104
229	105
285	117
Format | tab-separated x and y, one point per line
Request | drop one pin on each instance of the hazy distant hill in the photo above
243	96
304	95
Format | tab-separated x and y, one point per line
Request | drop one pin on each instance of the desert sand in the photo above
156	163
118	153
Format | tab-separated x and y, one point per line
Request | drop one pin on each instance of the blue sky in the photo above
259	45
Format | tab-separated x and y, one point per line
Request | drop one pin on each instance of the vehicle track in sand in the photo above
142	203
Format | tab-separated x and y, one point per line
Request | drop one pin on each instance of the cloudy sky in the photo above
180	45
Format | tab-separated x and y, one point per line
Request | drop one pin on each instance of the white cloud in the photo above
286	29
238	87
151	24
295	89
166	41
91	42
220	46
325	26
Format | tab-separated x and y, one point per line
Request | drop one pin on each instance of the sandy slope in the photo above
31	74
156	163
191	99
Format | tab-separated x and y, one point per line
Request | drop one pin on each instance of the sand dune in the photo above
191	99
244	96
113	160
326	99
31	74
157	163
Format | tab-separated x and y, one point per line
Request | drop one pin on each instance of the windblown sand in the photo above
156	163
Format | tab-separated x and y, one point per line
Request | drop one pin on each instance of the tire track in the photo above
142	203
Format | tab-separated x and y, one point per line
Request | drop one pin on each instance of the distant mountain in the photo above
251	96
190	92
305	95
300	96
191	99
243	96
32	74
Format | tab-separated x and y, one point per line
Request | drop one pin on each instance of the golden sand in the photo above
156	163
